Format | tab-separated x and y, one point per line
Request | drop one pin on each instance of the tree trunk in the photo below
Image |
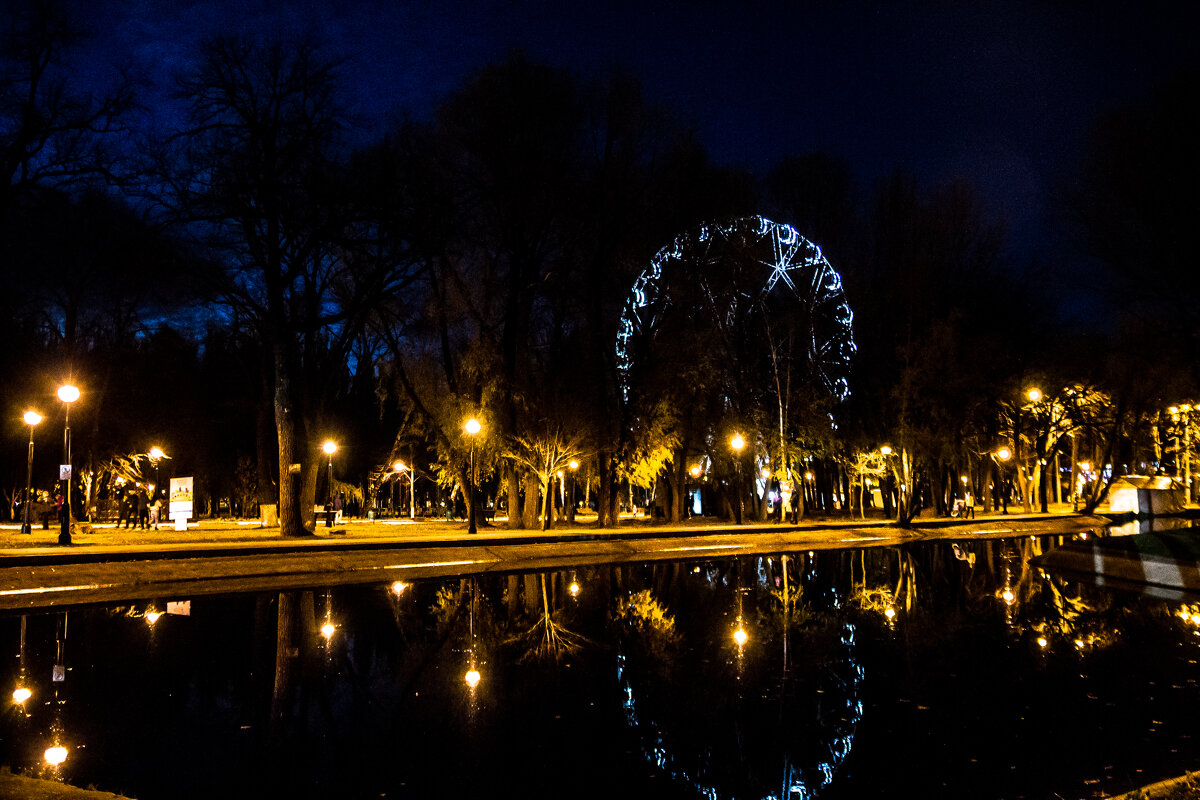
607	495
310	478
514	497
290	521
529	513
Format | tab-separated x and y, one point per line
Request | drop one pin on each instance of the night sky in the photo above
1001	94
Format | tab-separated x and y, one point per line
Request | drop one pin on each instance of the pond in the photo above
936	669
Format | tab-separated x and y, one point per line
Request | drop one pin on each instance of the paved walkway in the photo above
210	537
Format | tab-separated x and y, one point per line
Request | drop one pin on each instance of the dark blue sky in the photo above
1000	93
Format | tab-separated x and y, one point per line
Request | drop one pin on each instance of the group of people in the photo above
137	511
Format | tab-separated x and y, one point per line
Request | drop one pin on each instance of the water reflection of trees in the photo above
647	645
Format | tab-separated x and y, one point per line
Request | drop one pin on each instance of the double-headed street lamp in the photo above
67	394
472	428
32	418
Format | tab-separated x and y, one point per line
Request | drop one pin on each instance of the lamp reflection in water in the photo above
22	692
57	752
55	755
472	677
328	629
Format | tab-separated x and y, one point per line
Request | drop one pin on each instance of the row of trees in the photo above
246	285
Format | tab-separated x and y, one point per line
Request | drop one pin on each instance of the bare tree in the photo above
257	175
53	132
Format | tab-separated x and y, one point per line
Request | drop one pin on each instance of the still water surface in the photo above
930	670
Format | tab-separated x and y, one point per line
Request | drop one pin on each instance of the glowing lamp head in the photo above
885	450
965	480
327	630
574	588
32	418
1034	395
890	613
737	442
152	617
740	636
398	466
766	473
574	464
808	476
68	393
1004	454
398	588
1086	466
55	755
696	471
472	677
1042	641
156	453
472	426
21	694
1008	596
330	447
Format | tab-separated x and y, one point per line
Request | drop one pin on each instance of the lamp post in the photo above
32	418
412	487
67	394
330	447
738	443
573	466
472	428
1040	439
1003	454
156	455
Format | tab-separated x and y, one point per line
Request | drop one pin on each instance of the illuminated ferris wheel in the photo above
741	274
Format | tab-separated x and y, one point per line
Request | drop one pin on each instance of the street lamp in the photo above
573	465
412	487
737	443
156	455
1004	454
330	447
67	394
32	418
472	428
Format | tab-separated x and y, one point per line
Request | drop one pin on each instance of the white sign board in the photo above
181	502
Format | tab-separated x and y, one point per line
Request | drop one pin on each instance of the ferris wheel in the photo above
729	272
